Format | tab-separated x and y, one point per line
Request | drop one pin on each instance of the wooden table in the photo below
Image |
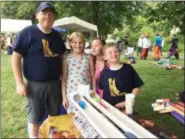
62	122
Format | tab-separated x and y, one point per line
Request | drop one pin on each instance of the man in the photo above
41	49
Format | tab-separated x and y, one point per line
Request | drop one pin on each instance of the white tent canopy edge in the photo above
14	25
76	24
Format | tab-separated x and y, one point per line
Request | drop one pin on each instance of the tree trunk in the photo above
95	13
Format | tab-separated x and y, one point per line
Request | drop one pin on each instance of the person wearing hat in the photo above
41	49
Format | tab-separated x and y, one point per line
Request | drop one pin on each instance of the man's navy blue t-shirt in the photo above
116	83
41	53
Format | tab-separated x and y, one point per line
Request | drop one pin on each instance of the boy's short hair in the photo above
109	45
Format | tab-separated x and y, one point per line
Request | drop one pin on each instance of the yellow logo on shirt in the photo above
113	89
46	49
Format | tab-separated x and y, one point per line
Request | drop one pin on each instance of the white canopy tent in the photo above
76	24
13	25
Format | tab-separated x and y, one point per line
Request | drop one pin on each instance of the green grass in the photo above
159	83
13	117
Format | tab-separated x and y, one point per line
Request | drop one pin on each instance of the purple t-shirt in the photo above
116	83
41	53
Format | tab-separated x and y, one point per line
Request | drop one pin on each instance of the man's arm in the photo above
17	70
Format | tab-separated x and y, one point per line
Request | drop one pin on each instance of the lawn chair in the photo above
129	54
129	51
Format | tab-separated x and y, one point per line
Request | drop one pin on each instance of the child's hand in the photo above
65	103
120	105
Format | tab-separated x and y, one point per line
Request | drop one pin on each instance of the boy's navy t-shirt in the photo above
41	53
116	83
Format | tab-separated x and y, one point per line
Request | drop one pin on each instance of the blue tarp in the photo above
60	30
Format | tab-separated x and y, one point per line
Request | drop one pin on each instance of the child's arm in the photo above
64	82
92	74
120	105
135	91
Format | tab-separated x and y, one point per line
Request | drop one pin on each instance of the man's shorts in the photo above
40	95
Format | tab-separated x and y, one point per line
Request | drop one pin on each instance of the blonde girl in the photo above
78	68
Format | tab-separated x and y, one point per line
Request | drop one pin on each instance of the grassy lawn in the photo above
159	83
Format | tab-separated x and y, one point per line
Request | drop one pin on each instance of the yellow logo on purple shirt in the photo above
46	49
113	89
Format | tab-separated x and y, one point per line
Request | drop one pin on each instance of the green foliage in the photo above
151	22
107	15
20	10
148	30
139	22
170	11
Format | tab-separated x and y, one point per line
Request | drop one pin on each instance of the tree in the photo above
107	15
19	10
170	11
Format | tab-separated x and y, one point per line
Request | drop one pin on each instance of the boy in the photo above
117	79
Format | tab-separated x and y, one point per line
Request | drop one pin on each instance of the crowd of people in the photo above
52	73
7	41
144	43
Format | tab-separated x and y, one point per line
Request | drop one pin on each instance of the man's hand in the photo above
21	89
120	105
65	103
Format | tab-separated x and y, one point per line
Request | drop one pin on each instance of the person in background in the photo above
120	44
146	45
97	52
126	41
3	43
140	45
41	49
78	68
156	54
118	79
168	64
109	39
174	50
9	43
